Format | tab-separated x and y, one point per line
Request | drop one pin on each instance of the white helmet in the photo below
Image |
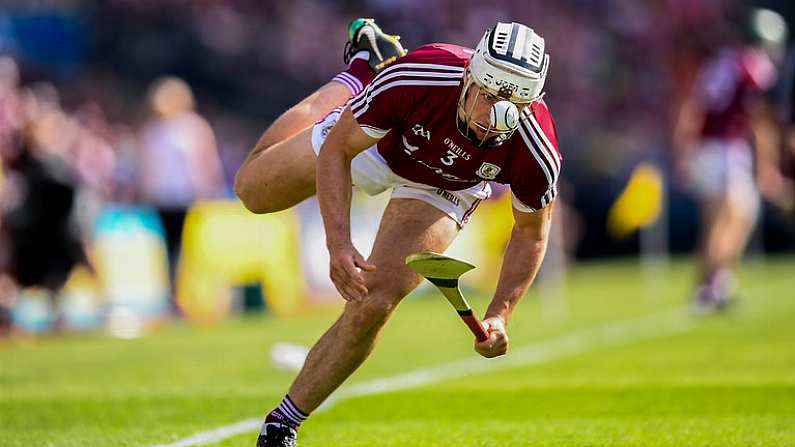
509	64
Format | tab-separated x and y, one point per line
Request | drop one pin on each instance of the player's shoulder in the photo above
443	54
536	148
537	121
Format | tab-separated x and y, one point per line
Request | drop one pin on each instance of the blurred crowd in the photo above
60	167
157	101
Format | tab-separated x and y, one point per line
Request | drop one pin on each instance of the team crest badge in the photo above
488	171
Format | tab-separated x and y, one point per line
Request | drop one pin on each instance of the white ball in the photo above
288	356
504	116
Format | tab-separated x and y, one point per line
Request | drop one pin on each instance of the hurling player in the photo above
434	126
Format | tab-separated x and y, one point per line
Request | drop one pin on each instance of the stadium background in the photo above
618	74
604	351
614	87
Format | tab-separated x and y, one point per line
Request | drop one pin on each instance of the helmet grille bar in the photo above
512	44
503	40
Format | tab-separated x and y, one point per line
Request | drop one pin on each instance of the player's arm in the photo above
333	182
520	264
765	129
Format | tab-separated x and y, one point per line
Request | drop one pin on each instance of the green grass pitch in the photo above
668	380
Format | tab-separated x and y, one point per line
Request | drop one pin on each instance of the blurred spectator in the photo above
10	122
39	189
179	161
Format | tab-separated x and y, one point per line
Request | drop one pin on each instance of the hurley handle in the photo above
474	325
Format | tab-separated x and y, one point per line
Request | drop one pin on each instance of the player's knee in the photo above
383	297
369	316
254	199
393	286
252	206
257	206
244	193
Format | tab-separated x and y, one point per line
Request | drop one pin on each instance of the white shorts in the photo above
371	173
721	167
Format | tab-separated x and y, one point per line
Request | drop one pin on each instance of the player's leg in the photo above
302	115
407	226
713	244
708	212
727	222
713	274
740	211
367	51
730	227
279	177
723	182
284	174
279	171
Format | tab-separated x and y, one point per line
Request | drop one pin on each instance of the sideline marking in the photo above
607	335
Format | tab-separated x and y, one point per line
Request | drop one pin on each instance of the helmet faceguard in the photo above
509	64
493	133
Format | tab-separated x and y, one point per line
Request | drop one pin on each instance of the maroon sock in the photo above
358	74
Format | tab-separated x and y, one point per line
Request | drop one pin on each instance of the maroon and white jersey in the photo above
411	107
724	87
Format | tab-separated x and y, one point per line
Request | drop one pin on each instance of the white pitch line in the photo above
217	435
575	343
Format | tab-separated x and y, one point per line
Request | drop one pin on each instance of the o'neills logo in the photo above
488	171
456	149
447	195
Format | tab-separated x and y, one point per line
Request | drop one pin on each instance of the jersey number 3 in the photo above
448	161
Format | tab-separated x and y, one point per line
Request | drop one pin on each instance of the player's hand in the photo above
497	343
345	271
